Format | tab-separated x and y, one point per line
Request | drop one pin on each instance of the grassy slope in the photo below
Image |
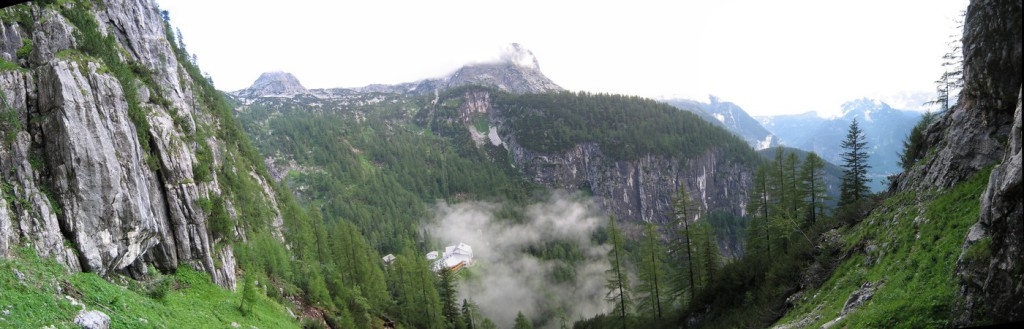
918	238
193	302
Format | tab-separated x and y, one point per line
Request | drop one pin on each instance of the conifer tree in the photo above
650	272
707	247
522	322
952	78
618	280
249	294
758	208
812	179
855	161
417	297
682	210
467	314
792	198
448	290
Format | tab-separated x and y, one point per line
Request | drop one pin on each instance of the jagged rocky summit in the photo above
517	71
271	84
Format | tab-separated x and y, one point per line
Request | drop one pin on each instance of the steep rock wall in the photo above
981	131
78	184
635	191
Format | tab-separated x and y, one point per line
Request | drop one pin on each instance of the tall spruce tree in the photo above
618	280
448	290
855	161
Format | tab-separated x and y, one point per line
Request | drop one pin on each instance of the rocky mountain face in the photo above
272	84
731	117
100	151
634	190
885	128
517	71
985	129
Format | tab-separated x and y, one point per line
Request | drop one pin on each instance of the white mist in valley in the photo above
506	278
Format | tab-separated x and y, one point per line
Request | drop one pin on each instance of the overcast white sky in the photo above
769	57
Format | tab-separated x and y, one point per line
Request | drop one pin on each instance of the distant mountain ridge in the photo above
517	71
731	117
884	127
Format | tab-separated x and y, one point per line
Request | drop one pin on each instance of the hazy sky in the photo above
766	56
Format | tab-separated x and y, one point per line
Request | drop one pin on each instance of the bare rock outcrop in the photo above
81	183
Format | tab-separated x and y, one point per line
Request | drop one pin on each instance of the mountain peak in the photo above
520	56
517	72
273	84
863	109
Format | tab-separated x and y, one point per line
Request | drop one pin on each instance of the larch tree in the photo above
683	209
618	280
650	272
758	208
707	248
812	181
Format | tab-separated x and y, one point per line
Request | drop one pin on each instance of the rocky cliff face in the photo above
973	134
984	129
81	183
271	84
635	191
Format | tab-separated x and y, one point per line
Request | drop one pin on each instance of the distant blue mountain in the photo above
884	127
731	117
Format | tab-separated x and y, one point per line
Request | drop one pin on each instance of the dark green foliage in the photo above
683	209
7	66
915	147
379	172
617	276
522	322
26	48
161	289
415	292
855	158
626	127
447	287
249	294
650	272
204	160
10	122
220	223
812	186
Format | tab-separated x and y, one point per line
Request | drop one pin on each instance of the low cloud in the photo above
507	279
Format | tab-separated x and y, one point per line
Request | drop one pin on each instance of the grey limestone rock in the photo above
92	320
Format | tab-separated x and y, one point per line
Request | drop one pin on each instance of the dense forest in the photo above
627	127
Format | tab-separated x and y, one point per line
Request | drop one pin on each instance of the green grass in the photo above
919	237
192	301
481	123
